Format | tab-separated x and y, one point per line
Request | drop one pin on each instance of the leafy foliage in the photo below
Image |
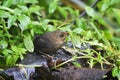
20	20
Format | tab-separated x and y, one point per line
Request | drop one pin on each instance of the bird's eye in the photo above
61	35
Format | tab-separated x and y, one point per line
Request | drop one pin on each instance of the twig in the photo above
84	13
91	7
29	66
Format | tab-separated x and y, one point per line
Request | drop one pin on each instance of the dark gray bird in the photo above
49	42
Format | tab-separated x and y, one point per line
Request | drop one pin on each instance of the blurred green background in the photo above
21	20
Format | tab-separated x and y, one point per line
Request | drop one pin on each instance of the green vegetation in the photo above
20	20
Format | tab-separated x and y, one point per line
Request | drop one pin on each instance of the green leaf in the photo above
23	8
8	3
66	28
70	10
7	9
75	40
53	6
115	71
9	60
78	31
30	1
21	57
108	34
24	21
15	58
105	6
89	34
76	64
100	19
4	14
114	2
116	40
3	44
17	11
76	13
35	9
81	23
45	23
51	28
62	11
1	33
90	11
35	23
117	14
11	20
6	52
28	44
18	50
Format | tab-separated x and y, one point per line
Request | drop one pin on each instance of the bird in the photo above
49	42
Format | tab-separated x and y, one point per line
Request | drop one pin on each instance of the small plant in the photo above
21	20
